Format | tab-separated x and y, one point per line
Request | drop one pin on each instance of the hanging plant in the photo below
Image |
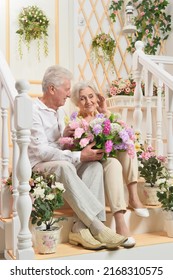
103	47
152	22
33	25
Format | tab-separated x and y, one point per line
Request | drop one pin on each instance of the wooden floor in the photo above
64	250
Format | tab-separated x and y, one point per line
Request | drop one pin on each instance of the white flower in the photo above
115	127
59	186
38	192
50	196
39	179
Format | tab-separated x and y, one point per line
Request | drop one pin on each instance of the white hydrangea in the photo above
59	186
38	192
50	196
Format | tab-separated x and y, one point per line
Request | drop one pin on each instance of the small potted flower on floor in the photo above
151	168
47	196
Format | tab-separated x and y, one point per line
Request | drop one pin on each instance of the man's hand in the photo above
68	131
89	154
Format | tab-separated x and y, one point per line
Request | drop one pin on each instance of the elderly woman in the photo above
116	170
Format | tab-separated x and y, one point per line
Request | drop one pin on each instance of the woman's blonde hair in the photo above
81	85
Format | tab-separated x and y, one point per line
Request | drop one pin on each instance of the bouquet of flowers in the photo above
110	134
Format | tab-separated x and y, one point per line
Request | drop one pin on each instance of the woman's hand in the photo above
102	107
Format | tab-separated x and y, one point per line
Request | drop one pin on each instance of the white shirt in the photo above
47	128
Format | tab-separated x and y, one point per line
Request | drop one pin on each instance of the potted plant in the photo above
47	196
103	47
33	25
165	197
151	168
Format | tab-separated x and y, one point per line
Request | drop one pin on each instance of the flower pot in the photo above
150	195
6	202
168	223
47	240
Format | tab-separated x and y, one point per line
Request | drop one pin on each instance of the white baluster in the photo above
15	155
5	205
159	142
169	113
137	76
23	123
148	94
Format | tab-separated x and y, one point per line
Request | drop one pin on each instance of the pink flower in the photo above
108	146
78	132
84	142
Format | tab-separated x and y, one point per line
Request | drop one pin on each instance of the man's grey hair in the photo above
55	75
81	85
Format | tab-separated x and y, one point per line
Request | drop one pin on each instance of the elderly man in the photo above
80	172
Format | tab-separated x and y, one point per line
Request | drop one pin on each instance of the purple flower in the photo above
124	135
73	116
97	129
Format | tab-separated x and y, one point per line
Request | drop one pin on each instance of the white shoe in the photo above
142	212
129	243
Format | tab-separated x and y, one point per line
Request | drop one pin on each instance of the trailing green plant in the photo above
152	22
33	25
103	46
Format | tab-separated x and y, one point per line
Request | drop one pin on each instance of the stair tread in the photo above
66	249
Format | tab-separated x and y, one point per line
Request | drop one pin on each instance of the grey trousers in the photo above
84	187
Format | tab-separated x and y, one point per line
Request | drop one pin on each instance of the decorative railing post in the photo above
169	113
137	76
4	152
148	94
23	123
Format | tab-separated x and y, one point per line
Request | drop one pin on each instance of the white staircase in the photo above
15	235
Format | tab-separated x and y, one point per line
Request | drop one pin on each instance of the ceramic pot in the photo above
47	240
150	195
168	223
6	202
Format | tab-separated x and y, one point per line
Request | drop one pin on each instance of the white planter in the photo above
168	227
150	195
46	241
6	202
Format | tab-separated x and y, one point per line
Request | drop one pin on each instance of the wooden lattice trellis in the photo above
102	74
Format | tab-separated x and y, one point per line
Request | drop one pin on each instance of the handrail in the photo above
8	80
142	62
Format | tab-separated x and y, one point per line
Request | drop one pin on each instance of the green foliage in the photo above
152	22
165	194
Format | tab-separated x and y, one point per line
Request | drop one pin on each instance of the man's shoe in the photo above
110	238
129	243
85	238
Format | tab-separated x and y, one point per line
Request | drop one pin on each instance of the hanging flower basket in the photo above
103	48
33	25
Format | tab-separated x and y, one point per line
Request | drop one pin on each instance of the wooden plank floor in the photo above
146	239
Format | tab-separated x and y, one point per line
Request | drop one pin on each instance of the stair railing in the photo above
16	113
150	69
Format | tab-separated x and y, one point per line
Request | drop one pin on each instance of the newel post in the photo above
23	124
